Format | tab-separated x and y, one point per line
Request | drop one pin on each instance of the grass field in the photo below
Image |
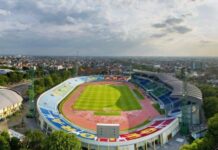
140	96
107	98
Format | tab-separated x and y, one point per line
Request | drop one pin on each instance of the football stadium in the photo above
117	112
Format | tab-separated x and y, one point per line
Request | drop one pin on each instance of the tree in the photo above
39	86
4	144
56	78
5	135
209	142
210	106
212	134
60	140
3	80
210	96
209	91
66	74
48	82
15	143
33	140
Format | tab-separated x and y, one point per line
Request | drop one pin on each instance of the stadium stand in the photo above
50	119
168	91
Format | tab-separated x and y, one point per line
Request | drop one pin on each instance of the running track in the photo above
127	119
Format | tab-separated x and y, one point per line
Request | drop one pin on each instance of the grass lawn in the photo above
139	95
107	113
107	98
157	107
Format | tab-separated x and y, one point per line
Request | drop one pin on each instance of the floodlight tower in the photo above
77	64
31	93
186	112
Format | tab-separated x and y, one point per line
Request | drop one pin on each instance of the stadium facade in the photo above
158	132
10	102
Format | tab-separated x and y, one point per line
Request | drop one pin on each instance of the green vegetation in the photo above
210	97
12	77
107	113
139	95
107	98
209	142
44	81
60	140
210	105
36	140
157	107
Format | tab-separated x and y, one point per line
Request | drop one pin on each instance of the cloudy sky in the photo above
109	27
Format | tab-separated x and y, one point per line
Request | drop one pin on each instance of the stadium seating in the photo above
157	90
48	102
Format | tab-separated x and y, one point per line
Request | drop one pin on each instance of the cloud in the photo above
158	35
172	21
71	19
171	25
4	12
104	26
159	25
182	29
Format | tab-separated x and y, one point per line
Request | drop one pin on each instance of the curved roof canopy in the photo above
176	84
9	98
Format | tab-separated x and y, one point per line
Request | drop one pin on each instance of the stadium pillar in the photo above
154	145
88	147
146	147
161	139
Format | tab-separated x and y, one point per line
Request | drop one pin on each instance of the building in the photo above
5	71
10	102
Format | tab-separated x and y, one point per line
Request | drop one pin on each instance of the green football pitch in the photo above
107	98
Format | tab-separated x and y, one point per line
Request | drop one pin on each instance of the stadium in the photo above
116	112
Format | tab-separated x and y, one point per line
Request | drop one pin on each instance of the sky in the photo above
109	27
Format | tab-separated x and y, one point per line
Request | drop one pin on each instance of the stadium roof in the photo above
9	98
176	84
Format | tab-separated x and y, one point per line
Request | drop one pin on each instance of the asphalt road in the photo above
21	89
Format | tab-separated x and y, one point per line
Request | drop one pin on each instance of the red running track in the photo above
127	119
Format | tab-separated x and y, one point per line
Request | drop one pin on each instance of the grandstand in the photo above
168	92
157	132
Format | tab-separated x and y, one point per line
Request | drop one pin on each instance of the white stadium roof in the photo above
9	98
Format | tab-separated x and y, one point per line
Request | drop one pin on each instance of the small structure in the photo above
108	130
16	134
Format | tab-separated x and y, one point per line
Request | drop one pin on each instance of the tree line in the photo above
36	140
210	105
12	77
